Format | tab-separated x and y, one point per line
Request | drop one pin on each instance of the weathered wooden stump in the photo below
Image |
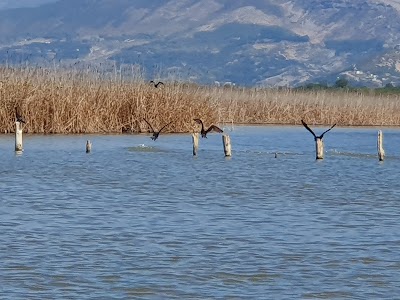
227	145
88	146
381	151
195	139
18	137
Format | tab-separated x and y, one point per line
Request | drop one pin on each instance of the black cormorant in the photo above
155	133
211	128
312	132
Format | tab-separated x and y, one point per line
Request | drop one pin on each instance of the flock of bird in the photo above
204	131
156	133
215	128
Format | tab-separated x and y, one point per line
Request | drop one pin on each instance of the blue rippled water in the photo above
138	219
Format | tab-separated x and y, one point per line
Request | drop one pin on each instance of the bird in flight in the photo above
155	133
312	132
211	128
156	84
19	117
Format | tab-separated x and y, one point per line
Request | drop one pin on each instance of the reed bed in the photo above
76	101
288	106
59	102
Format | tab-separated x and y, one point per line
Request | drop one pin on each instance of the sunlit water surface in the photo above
138	219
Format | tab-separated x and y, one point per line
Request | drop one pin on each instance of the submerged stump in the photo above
195	140
88	146
319	148
18	137
381	151
226	140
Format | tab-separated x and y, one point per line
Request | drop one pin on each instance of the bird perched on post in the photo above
156	84
211	128
312	132
155	133
18	116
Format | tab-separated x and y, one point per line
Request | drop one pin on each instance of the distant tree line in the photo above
343	84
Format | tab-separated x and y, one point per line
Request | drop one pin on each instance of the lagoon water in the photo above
138	219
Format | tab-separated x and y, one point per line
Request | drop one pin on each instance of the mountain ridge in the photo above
267	43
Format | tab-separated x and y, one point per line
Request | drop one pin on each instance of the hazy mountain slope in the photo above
271	42
8	4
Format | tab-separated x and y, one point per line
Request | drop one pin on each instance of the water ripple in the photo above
144	221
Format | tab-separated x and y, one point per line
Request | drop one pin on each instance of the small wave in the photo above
352	154
144	148
270	153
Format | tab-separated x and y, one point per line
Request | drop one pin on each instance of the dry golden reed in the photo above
57	101
324	107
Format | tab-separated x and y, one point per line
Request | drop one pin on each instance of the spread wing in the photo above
327	131
165	126
198	121
308	128
214	128
149	125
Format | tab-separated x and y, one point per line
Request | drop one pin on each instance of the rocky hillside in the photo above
252	42
7	4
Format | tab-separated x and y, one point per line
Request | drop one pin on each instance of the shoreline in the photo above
270	125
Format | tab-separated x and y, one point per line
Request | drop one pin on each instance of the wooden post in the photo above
18	137
88	146
195	139
381	152
227	145
319	148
